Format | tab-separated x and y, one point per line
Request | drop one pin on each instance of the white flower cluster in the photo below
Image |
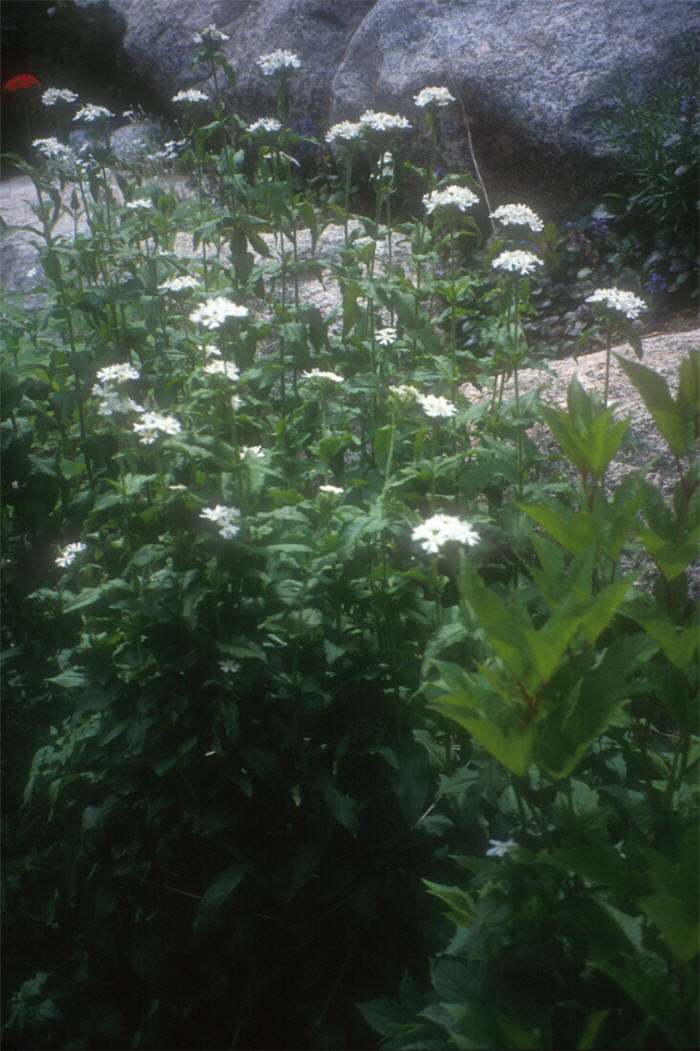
153	424
214	312
256	452
319	374
518	215
385	336
345	131
452	196
170	151
380	121
140	204
219	367
111	400
618	299
440	529
180	283
433	97
404	390
332	490
53	95
435	406
91	113
517	261
278	61
229	667
210	34
62	156
191	95
68	554
265	124
225	518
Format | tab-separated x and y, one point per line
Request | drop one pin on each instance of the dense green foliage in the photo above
271	751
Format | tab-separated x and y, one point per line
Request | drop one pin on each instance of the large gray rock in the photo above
533	77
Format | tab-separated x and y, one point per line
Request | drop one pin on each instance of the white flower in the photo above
345	130
225	518
91	113
141	204
209	34
518	215
405	390
255	451
319	374
459	196
440	529
219	367
191	95
618	299
53	95
276	61
179	283
435	406
229	667
69	553
214	312
153	424
385	336
499	847
516	261
265	124
118	373
437	97
334	490
111	401
236	402
379	121
53	150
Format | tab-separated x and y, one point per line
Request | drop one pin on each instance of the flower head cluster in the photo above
345	131
140	204
440	529
385	336
229	667
279	61
60	155
256	452
118	373
68	554
215	312
225	518
21	83
180	283
153	424
112	400
270	124
518	215
500	847
517	261
210	35
53	95
433	98
90	113
379	121
331	490
435	406
191	95
219	367
618	299
405	390
320	375
452	196
169	153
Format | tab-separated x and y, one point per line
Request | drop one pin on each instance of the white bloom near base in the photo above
435	406
219	367
320	375
141	204
181	283
385	336
332	490
440	529
500	847
215	312
436	98
278	61
118	373
225	519
379	121
190	95
618	299
265	124
345	131
91	113
518	215
518	262
68	554
154	424
451	197
210	34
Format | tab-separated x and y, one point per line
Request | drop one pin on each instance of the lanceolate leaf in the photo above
212	907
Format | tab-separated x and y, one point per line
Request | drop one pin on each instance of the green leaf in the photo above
461	908
213	906
511	743
666	412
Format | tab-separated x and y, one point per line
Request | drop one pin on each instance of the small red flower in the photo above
23	81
